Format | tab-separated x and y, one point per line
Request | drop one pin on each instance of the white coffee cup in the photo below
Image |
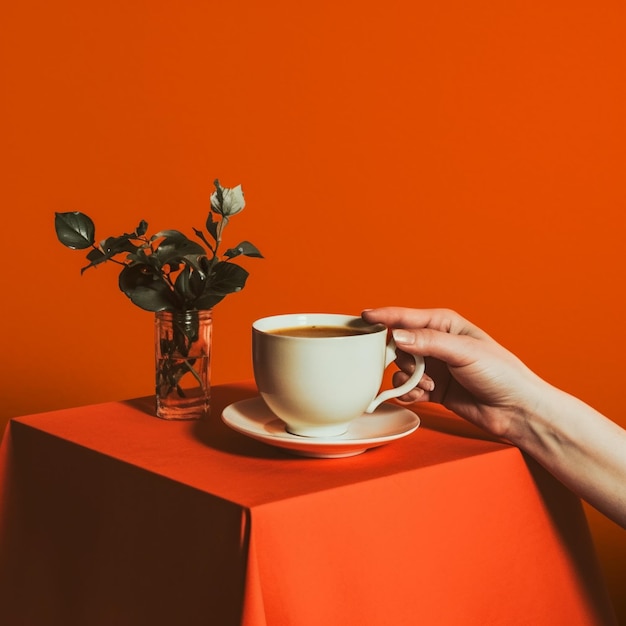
318	384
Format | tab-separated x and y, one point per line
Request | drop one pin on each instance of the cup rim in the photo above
271	322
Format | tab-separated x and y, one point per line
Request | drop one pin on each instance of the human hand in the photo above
466	370
474	376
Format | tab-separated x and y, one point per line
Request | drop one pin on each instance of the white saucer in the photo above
389	422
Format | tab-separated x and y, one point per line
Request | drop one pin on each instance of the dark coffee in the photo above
323	331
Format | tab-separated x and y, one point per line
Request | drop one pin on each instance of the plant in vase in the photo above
178	279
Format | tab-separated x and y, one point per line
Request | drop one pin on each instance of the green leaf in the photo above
189	285
95	257
175	247
110	248
226	278
115	245
182	284
95	254
139	256
74	230
142	229
245	248
211	226
146	290
198	282
166	233
207	301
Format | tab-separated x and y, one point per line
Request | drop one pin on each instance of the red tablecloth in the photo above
113	517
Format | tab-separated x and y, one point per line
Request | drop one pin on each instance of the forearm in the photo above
578	445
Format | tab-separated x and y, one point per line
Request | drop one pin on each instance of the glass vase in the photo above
182	342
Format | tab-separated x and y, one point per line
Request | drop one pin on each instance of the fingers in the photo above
432	387
401	317
444	320
457	353
406	363
426	383
455	350
482	368
415	394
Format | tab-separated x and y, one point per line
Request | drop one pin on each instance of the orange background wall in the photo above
467	154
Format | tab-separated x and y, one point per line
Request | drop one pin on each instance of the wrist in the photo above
531	424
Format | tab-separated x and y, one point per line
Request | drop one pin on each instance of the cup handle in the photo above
390	355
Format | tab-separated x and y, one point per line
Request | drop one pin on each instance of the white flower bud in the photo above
232	201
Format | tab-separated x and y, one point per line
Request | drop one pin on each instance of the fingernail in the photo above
403	336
